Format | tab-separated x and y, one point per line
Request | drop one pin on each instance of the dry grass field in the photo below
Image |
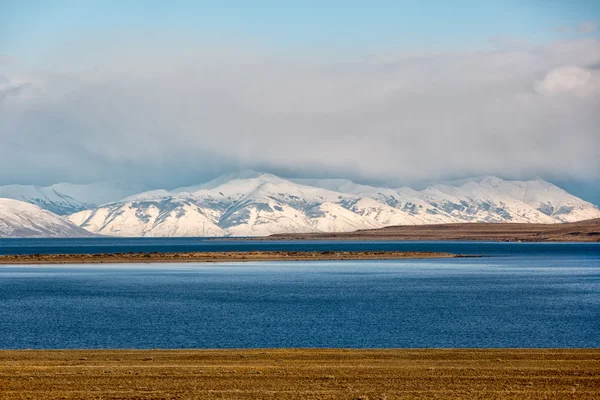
212	257
300	374
582	231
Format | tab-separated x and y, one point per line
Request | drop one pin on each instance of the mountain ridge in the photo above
67	198
252	203
19	219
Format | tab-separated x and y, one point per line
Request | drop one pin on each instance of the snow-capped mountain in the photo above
21	219
260	205
492	199
67	198
256	204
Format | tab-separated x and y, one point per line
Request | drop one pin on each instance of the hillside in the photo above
583	231
21	219
67	198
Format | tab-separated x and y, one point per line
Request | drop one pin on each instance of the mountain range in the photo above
251	203
21	219
67	198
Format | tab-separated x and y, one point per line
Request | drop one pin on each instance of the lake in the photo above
525	295
124	245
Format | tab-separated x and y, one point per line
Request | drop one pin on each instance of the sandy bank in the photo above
213	257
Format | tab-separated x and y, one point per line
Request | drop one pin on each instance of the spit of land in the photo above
238	256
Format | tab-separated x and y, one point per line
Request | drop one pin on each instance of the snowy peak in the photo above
66	198
543	197
151	218
242	187
45	197
21	219
221	180
336	185
251	203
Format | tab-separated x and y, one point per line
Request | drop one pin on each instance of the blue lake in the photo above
125	245
525	295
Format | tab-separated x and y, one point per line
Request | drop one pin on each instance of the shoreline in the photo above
587	231
217	257
301	373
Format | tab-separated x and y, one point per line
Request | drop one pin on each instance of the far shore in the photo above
582	231
216	257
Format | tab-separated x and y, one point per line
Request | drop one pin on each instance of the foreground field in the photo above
300	374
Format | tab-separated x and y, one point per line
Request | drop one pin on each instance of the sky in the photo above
169	94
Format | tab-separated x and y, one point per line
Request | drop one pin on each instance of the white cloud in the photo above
509	43
564	79
171	117
12	88
587	27
5	59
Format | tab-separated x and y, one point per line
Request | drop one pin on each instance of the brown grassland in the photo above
211	257
582	231
301	374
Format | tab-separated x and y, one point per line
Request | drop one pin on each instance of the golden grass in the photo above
211	257
300	374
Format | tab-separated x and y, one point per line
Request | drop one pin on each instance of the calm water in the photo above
548	298
125	245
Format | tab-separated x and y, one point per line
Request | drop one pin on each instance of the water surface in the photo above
125	245
531	300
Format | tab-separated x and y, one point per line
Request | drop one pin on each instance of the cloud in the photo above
8	88
178	116
564	79
563	29
509	43
586	27
5	59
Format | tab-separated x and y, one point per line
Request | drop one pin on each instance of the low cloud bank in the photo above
184	115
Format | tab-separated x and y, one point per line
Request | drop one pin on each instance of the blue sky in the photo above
28	28
172	93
